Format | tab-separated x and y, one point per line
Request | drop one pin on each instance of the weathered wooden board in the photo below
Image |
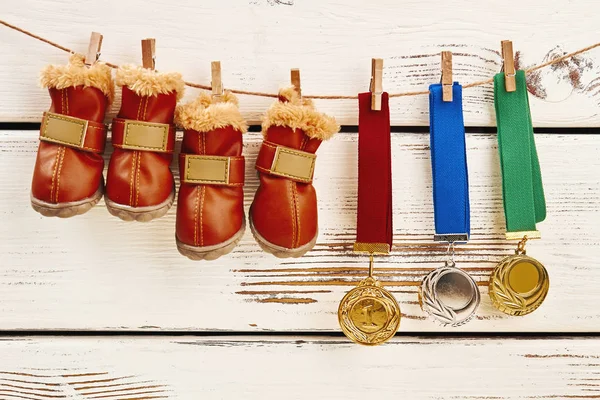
332	42
100	273
297	368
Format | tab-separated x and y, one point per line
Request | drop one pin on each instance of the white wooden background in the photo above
97	274
239	367
332	42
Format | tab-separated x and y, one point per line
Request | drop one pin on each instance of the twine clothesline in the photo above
321	97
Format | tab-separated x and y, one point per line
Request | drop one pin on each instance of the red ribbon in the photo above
374	220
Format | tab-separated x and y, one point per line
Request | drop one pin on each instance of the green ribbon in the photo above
522	189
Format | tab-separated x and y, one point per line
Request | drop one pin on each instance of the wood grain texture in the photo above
332	42
251	368
95	272
44	384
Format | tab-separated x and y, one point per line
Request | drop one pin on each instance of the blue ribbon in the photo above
449	163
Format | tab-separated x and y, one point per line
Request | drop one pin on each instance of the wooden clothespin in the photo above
216	83
508	66
376	86
93	52
447	81
149	53
295	78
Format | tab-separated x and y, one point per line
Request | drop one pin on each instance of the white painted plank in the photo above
298	368
332	42
98	272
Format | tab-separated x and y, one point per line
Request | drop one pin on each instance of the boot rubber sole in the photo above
278	251
211	252
67	210
140	214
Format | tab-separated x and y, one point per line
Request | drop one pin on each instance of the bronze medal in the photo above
519	283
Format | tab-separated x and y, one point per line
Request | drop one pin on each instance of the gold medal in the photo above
519	283
369	314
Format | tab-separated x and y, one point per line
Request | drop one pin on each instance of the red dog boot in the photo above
139	183
67	178
283	216
210	206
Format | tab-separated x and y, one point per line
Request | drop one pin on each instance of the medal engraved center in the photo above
523	277
454	290
369	315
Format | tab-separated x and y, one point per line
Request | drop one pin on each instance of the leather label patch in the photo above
139	135
63	129
211	170
294	164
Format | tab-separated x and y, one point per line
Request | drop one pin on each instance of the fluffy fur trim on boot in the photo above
297	113
207	113
146	82
76	73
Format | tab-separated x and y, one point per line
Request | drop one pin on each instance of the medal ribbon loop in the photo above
449	166
374	211
522	190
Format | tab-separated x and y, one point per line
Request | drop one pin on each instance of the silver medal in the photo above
449	294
